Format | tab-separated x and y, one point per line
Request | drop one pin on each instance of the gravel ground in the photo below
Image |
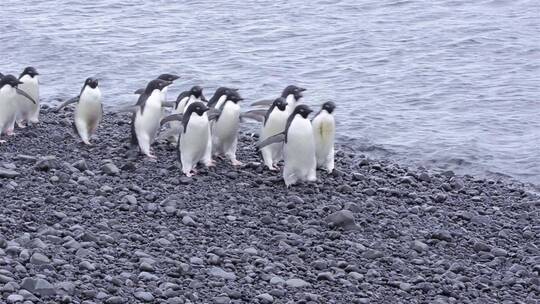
102	224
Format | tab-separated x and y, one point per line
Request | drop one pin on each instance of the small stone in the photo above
39	259
38	286
372	254
251	251
144	266
144	296
7	173
405	286
442	235
110	169
499	252
188	221
15	298
343	219
80	165
481	246
47	163
222	300
277	280
87	265
115	300
297	283
265	298
220	273
419	246
326	276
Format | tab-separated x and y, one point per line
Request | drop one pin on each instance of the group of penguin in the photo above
203	129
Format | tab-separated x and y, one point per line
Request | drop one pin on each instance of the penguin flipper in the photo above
23	93
253	116
213	114
169	104
68	102
138	91
172	117
280	137
264	102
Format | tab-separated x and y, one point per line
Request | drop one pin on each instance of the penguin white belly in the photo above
272	153
299	152
8	109
27	110
323	134
291	104
225	130
193	142
147	124
88	113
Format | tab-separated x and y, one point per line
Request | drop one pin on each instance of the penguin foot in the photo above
21	125
211	163
3	141
192	173
273	168
10	133
236	162
152	156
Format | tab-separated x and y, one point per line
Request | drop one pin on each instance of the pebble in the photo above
297	283
220	273
144	296
265	298
7	173
110	169
343	219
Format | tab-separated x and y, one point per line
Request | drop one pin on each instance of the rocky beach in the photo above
103	224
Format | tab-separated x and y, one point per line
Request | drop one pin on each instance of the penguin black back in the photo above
168	77
9	80
217	95
302	110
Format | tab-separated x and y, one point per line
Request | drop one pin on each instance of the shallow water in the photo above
447	84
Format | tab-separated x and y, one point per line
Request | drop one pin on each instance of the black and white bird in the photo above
88	111
324	130
9	93
194	137
146	117
28	112
298	147
226	125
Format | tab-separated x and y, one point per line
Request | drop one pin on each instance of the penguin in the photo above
194	136
219	96
166	77
171	134
147	115
298	147
8	103
195	95
292	95
324	130
226	125
88	111
27	110
275	120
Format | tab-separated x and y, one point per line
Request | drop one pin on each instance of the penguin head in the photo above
9	80
233	96
168	77
197	91
91	82
1	75
196	108
293	90
280	103
302	110
156	84
30	71
329	107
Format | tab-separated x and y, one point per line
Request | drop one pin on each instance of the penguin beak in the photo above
203	98
174	77
301	89
23	93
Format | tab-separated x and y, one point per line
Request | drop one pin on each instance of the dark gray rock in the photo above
343	219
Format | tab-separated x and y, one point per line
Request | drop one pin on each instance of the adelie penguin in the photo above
193	138
9	92
292	95
28	112
298	147
324	130
166	77
226	125
147	115
88	111
274	122
195	95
